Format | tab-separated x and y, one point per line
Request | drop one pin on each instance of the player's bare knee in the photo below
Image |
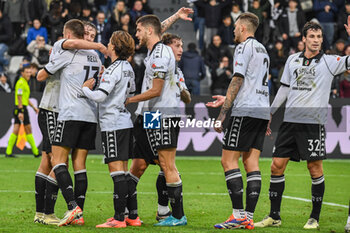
277	168
315	169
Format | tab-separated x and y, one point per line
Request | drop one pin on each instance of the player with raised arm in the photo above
22	93
46	188
117	82
76	126
160	94
139	165
248	91
305	84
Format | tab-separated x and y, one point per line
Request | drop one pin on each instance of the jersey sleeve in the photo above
241	60
159	66
337	65
286	77
181	79
19	88
59	58
108	81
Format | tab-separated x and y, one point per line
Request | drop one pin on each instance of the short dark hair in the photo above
124	44
28	66
152	21
191	46
77	28
88	23
311	26
167	38
251	20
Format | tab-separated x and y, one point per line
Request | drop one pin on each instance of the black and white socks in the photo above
120	194
80	187
252	192
275	193
317	191
40	186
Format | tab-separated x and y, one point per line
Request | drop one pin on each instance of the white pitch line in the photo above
308	200
188	194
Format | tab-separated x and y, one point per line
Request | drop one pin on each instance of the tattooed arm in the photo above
182	13
231	94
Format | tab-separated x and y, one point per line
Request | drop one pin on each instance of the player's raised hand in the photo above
183	13
89	83
218	102
347	26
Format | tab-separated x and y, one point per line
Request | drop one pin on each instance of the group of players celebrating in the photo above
76	82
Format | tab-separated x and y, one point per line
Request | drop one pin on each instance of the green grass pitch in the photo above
206	201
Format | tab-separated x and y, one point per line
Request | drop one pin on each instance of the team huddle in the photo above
80	93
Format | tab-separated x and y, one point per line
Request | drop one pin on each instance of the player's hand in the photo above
268	130
21	116
103	49
183	13
89	83
220	128
127	101
218	102
347	26
101	71
36	110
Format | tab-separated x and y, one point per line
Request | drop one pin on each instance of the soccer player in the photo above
117	82
139	165
76	126
46	188
306	78
175	43
248	91
159	94
22	93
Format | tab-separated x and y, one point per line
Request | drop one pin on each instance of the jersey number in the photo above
95	76
265	82
314	145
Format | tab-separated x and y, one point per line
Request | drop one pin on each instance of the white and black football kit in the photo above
116	84
48	110
251	108
77	119
302	133
160	63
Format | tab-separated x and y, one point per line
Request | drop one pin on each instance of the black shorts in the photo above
75	134
47	122
142	148
26	120
117	145
299	141
244	133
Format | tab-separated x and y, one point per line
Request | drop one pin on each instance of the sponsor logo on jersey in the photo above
238	64
151	120
157	67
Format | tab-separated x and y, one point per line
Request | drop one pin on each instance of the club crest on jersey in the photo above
151	120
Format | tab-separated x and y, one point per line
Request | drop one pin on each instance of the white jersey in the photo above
251	62
117	82
49	100
161	61
76	67
310	82
181	78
